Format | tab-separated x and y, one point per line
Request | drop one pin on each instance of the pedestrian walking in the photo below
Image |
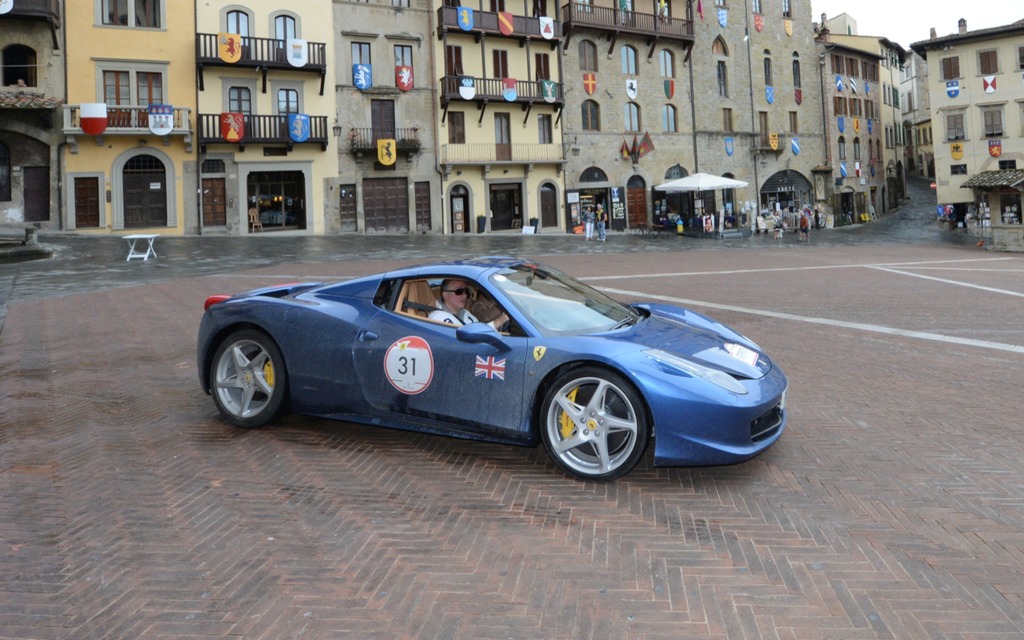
602	222
805	227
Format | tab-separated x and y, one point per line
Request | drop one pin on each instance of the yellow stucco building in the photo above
129	167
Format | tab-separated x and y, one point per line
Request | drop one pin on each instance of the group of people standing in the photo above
595	218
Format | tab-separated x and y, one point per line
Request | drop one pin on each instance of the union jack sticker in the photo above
489	368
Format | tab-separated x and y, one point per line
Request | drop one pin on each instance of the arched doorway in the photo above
636	205
786	190
144	192
594	189
548	205
459	205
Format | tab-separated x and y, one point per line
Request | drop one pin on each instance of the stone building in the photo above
917	116
31	94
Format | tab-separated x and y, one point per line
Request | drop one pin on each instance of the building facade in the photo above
917	116
265	117
500	97
129	162
977	101
31	94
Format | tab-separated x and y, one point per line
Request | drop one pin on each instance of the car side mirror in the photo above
481	333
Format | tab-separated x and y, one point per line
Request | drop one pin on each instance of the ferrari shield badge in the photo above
953	88
362	76
297	52
549	90
506	23
386	151
730	146
547	27
538	353
409	365
466	18
161	119
995	148
467	87
229	47
298	127
631	90
232	126
590	83
508	89
403	77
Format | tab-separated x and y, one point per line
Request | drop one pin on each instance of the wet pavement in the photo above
890	507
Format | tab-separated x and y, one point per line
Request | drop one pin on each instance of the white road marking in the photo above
947	281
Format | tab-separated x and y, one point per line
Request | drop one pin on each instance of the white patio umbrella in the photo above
700	182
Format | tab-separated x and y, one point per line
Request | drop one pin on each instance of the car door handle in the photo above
367	336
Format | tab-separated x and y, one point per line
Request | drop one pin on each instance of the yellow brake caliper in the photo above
268	373
565	421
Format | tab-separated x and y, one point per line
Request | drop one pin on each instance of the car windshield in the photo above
557	304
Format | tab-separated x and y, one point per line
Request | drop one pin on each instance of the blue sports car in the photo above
539	357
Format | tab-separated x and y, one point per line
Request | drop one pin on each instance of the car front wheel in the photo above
594	424
248	379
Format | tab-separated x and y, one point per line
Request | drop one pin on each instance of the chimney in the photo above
962	26
932	35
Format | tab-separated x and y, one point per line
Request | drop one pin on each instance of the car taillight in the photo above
212	300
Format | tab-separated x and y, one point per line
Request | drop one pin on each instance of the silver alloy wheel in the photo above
246	379
594	425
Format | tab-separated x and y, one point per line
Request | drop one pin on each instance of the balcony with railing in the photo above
128	121
364	140
487	154
486	23
43	10
272	130
579	15
263	54
492	90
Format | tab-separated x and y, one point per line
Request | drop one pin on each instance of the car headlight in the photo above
714	376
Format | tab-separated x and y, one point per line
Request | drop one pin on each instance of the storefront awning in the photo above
1003	179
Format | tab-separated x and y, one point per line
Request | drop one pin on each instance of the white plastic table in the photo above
140	253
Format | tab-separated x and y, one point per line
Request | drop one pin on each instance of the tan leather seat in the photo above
418	299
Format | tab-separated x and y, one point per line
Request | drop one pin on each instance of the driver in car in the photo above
451	308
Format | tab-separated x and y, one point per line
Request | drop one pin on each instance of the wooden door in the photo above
503	136
636	207
37	194
214	208
87	202
386	205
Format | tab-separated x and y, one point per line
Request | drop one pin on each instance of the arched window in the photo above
856	148
632	120
285	27
591	113
768	69
723	79
667	62
593	174
668	119
19	63
871	150
628	60
719	48
588	55
237	22
842	147
796	71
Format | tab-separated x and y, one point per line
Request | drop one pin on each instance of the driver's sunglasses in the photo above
461	291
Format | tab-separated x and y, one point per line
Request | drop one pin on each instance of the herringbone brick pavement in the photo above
891	507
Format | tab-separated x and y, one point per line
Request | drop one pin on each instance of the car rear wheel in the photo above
594	425
248	379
